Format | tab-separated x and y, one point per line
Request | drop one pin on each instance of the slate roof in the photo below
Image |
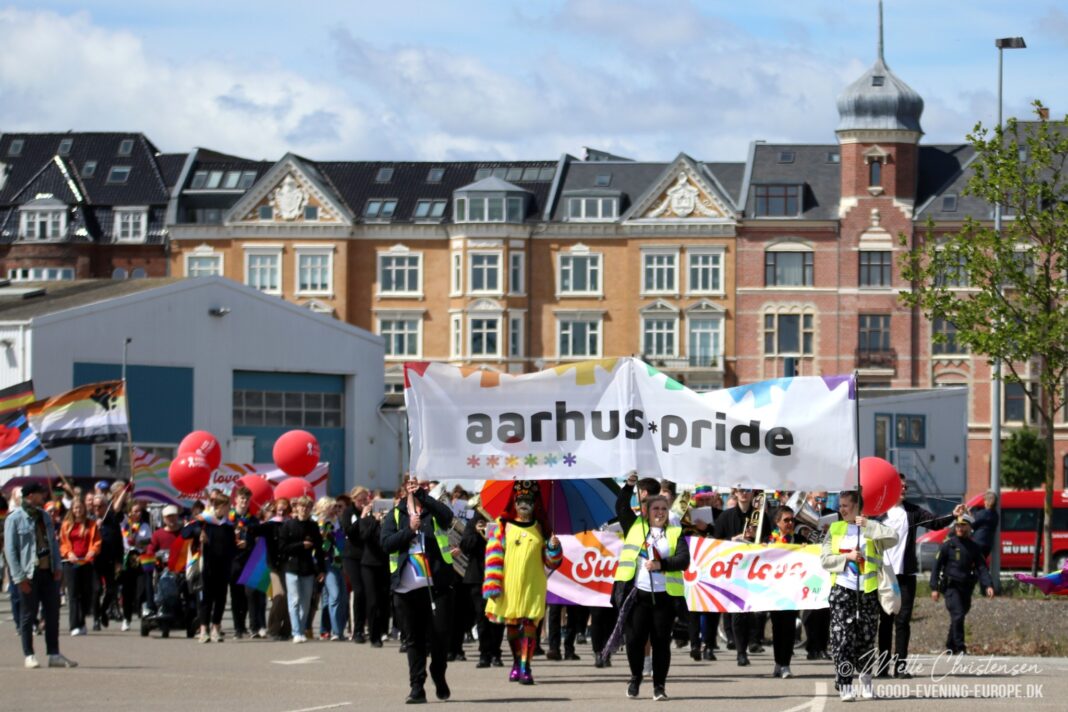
34	170
943	172
809	167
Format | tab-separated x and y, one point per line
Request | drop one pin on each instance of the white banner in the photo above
605	418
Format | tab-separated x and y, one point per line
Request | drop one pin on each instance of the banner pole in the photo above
126	405
856	440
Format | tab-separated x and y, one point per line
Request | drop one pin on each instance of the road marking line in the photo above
298	661
817	702
323	707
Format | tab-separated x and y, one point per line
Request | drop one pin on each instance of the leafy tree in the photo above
1023	460
1007	292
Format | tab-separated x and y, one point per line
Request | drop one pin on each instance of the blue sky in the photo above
456	79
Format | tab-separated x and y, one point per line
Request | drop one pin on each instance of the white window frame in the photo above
40	274
661	316
516	322
499	254
264	251
456	275
660	252
138	235
456	336
718	355
470	341
315	251
718	254
204	252
599	292
399	252
588	319
517	272
54	216
581	201
402	316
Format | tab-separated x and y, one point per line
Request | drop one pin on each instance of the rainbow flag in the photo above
148	562
1055	583
179	555
93	413
15	397
256	574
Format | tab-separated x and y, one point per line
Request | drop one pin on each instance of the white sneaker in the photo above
31	662
335	637
299	639
647	670
846	694
76	632
125	626
261	633
867	691
60	661
785	673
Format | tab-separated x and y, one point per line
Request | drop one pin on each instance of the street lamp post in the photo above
1002	44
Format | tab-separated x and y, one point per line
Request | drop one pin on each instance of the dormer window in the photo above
64	146
878	80
603	180
43	223
380	209
493	208
484	173
833	157
126	147
434	175
776	201
131	225
786	156
429	209
384	175
949	203
592	208
118	174
89	169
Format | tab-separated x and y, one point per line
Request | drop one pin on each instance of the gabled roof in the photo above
705	180
307	172
493	184
944	170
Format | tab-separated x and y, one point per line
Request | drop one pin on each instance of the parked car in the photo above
1021	512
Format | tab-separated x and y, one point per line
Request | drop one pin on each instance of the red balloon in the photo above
296	453
262	491
880	486
293	487
202	443
189	473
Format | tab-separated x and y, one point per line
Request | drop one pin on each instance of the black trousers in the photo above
490	634
602	621
707	635
239	606
650	620
213	598
783	627
958	602
132	583
79	592
104	589
576	622
742	625
426	629
463	617
351	568
376	589
44	594
817	630
897	626
257	608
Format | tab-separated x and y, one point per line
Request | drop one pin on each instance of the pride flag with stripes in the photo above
15	397
93	413
256	574
19	444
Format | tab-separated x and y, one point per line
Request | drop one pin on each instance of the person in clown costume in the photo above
519	549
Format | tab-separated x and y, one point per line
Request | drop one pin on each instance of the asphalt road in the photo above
122	671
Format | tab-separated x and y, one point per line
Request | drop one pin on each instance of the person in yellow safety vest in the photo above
648	580
422	577
852	552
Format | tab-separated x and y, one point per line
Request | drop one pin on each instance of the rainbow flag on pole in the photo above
256	574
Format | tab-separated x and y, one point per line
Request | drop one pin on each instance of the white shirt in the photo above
410	579
653	580
848	577
898	520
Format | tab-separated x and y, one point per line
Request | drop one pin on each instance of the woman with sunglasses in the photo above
783	623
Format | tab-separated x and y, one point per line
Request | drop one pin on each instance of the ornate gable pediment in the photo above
684	200
295	196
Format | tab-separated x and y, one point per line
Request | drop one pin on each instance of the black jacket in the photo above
221	547
350	524
371	534
959	562
473	545
397	536
732	522
985	529
297	558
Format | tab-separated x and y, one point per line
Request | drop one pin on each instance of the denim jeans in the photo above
298	595
335	601
44	593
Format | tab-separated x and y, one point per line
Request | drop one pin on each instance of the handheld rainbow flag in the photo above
420	564
148	562
1055	583
179	555
256	574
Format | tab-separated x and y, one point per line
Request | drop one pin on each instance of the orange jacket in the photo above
90	531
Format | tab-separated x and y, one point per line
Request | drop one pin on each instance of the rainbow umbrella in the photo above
571	506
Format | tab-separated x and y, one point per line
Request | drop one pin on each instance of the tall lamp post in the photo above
1002	44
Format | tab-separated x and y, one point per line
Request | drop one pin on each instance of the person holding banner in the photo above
783	623
519	548
415	536
853	553
737	524
648	582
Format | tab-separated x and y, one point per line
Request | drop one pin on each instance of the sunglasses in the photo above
788	520
745	491
820	499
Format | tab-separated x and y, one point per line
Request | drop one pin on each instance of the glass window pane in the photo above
789	333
